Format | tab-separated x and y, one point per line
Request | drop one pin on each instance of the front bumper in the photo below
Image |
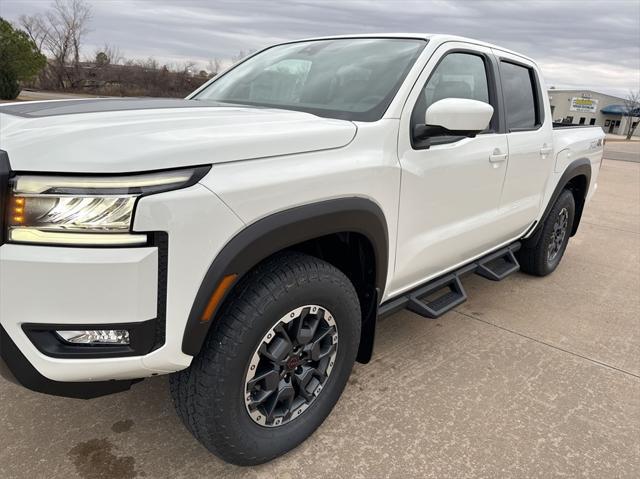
41	285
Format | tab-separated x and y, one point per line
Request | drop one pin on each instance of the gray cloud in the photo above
582	44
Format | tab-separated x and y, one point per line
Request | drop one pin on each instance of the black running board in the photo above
437	297
498	266
452	295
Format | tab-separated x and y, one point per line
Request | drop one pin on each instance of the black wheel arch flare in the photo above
279	231
577	168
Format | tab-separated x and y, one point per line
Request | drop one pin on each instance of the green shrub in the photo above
9	88
20	59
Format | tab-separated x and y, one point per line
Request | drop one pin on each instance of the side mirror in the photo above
455	116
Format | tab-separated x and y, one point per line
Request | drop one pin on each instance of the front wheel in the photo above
542	257
275	362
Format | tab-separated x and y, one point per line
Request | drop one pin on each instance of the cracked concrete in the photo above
532	377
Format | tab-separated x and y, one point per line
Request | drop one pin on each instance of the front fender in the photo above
277	232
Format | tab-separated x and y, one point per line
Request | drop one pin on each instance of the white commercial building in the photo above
588	107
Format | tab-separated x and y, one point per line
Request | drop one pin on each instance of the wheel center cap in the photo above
293	362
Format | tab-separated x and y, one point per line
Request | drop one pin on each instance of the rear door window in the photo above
520	96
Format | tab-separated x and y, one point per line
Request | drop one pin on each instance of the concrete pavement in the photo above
623	150
532	377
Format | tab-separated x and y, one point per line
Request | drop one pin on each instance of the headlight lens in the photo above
85	210
74	213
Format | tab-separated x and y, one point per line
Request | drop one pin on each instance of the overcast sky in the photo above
578	44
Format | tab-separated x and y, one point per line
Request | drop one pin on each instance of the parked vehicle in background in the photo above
247	238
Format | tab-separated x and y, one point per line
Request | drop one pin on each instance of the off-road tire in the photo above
209	395
534	255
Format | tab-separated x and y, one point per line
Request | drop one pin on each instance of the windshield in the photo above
350	78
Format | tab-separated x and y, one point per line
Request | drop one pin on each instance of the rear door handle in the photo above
497	156
545	150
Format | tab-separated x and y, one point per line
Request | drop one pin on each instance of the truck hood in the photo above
125	135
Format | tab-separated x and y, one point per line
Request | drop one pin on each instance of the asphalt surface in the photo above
532	377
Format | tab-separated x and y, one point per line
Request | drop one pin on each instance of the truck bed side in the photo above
579	143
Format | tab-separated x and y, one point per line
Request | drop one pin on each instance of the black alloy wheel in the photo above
558	234
291	365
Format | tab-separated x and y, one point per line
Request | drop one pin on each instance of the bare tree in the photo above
632	107
58	44
214	66
36	27
60	32
73	16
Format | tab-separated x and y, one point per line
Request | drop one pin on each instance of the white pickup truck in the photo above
247	238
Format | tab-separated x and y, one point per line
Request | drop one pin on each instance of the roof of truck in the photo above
435	37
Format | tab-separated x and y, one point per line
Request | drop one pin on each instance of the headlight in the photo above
85	210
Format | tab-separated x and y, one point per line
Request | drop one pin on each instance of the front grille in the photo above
5	171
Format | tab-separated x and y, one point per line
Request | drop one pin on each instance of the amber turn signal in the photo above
217	296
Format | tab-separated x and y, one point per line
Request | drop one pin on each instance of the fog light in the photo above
96	336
